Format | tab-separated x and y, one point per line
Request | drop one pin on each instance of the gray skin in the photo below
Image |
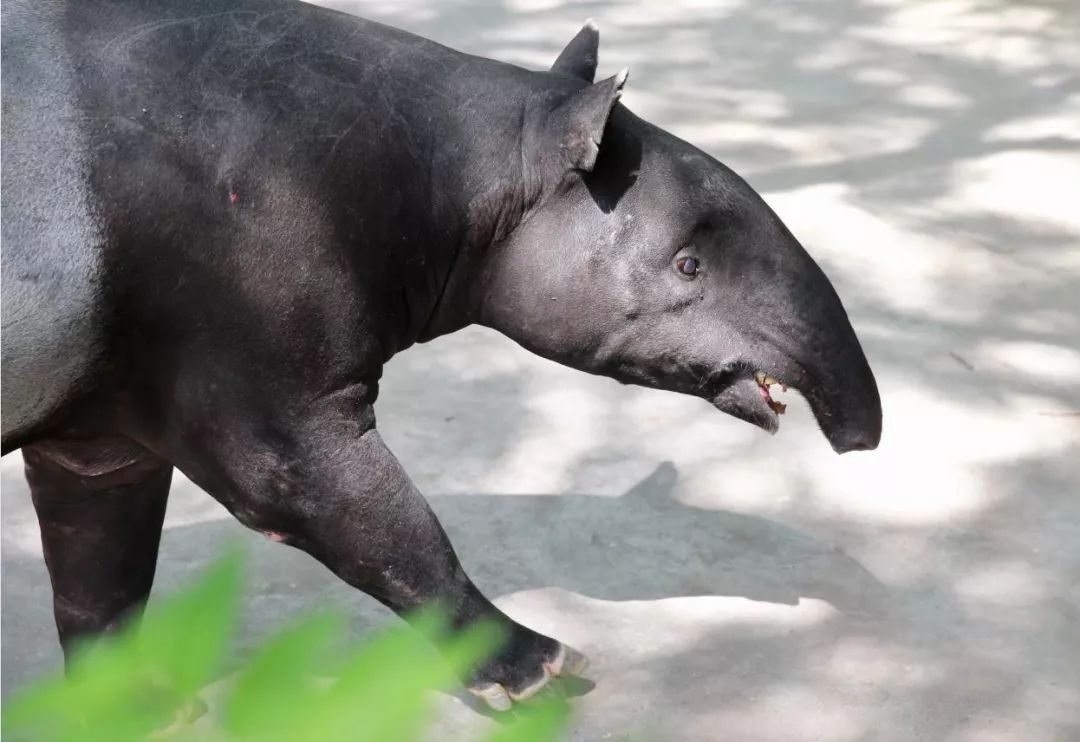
220	221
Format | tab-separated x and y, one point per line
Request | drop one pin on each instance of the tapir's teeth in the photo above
765	379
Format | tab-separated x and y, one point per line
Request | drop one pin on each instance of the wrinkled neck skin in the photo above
500	187
523	269
535	248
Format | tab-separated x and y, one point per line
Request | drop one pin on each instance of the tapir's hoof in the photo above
515	678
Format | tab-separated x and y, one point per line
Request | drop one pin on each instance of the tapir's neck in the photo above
488	169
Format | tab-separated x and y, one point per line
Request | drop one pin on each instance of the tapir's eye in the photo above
687	266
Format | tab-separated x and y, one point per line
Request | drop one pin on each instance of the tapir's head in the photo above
646	260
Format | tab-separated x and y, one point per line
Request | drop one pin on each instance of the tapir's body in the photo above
220	219
296	179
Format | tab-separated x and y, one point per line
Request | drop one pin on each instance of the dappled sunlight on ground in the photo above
727	584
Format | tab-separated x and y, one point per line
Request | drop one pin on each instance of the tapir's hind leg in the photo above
100	506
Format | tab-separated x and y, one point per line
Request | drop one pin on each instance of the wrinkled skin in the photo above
219	226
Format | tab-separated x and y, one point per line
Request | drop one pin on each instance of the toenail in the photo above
531	690
494	695
569	661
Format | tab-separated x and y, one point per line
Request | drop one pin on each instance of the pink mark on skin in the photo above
275	536
234	198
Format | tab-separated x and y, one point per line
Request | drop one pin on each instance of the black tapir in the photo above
221	218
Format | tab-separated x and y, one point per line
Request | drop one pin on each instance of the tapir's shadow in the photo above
643	545
647	545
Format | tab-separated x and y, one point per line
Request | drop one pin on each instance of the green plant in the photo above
144	680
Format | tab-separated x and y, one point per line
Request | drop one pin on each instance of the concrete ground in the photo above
727	585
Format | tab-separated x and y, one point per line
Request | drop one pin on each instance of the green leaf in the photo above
125	686
276	690
186	637
385	690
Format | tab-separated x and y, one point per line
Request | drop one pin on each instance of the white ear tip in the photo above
620	79
591	25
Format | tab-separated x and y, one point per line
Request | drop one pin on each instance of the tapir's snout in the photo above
848	407
827	365
842	391
798	336
858	439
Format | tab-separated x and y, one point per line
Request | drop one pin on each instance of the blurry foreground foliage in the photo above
141	683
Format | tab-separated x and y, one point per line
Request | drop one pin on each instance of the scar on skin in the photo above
275	536
234	198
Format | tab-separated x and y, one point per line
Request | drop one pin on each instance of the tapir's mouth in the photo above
749	397
746	393
765	381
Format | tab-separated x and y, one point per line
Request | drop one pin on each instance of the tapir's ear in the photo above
577	125
579	57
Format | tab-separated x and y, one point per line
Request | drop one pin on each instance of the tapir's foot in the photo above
524	669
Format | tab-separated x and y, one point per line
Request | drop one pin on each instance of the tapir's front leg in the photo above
346	500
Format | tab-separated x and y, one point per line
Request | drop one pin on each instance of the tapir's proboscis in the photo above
222	218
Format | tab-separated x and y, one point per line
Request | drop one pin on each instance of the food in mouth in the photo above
764	381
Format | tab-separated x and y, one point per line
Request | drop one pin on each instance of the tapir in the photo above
222	218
